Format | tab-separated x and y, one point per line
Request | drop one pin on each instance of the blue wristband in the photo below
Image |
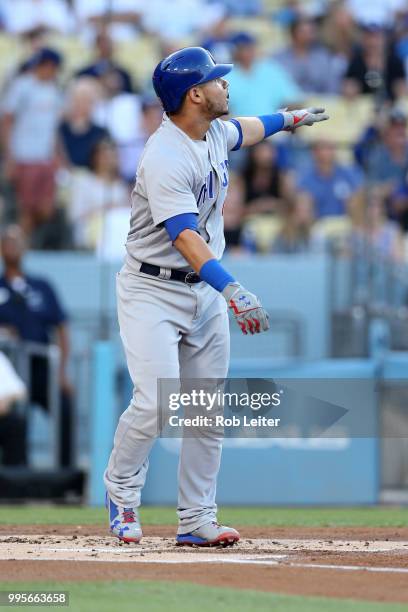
272	123
215	275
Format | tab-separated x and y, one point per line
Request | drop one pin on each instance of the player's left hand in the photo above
306	116
246	308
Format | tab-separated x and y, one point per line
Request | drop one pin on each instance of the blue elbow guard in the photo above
175	225
240	134
214	274
272	123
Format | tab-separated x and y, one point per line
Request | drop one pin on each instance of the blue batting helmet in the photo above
184	69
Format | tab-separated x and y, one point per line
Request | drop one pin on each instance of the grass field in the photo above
260	517
163	596
181	597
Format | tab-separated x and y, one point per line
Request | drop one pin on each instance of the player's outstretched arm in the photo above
255	129
245	306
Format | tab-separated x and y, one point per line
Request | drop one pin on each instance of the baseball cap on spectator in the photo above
45	55
242	39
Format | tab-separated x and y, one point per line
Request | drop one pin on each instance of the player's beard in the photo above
217	109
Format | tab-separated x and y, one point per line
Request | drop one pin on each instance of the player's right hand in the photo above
246	308
306	116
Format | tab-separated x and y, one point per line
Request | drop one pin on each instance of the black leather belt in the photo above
178	275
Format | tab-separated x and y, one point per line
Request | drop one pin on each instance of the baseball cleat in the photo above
124	522
211	534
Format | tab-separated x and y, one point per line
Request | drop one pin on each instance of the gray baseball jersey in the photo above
179	175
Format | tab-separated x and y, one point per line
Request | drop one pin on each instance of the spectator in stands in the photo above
30	308
13	442
372	228
258	86
332	186
386	158
129	152
104	66
78	133
339	32
118	111
31	42
121	16
375	68
31	113
93	194
309	63
371	136
23	16
233	213
265	179
297	235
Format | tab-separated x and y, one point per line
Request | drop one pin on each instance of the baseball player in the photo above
173	293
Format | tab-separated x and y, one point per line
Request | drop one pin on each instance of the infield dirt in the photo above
357	563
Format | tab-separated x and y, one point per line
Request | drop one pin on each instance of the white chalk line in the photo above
274	560
396	570
229	560
116	551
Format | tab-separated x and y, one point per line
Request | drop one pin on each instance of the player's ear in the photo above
195	95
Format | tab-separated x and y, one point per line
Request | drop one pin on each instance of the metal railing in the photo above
21	354
366	286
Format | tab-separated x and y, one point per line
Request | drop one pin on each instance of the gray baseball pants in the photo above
169	329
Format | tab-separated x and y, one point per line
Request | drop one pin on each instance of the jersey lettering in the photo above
207	188
224	167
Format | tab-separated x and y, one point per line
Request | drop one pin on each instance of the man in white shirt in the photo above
31	113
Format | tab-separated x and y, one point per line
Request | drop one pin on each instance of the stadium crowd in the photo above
77	106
